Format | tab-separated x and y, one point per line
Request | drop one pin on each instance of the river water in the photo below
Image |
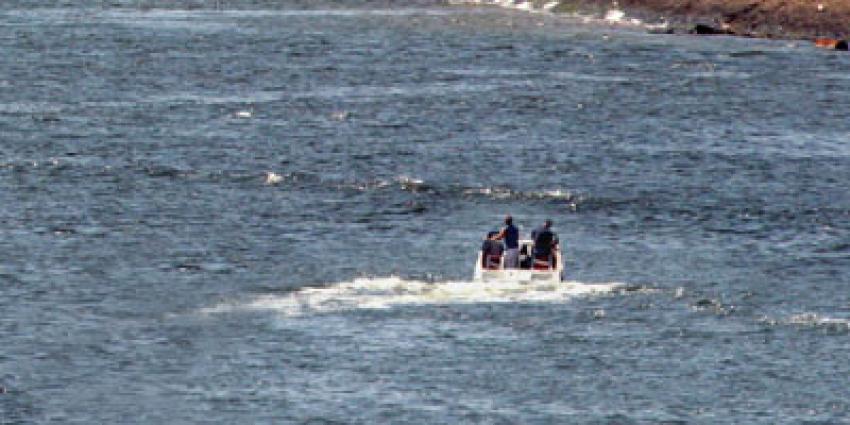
270	215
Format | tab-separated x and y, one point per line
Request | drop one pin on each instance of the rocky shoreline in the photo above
824	20
790	19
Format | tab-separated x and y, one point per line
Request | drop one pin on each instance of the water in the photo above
269	215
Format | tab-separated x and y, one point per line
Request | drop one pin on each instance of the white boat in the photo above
531	270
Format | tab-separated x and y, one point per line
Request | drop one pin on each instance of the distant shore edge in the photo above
785	19
790	19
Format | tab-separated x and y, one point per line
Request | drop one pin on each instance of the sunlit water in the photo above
269	215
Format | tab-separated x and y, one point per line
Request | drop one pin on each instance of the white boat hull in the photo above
516	275
553	275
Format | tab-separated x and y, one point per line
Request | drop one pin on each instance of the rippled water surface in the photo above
270	214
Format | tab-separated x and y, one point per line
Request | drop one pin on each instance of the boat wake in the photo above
388	292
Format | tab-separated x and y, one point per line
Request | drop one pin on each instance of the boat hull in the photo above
554	275
516	275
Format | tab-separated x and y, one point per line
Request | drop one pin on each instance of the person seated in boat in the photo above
545	244
491	252
525	258
510	234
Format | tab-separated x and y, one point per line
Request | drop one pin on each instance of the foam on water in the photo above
613	16
499	193
388	292
273	178
812	320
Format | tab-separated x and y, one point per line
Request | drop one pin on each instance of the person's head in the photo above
509	220
547	224
491	234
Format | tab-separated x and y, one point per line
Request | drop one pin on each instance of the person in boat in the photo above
510	234
545	243
491	252
525	257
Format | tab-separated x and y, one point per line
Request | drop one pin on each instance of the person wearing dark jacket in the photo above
491	252
510	234
545	242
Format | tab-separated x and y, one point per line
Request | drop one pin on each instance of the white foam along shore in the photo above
388	292
613	16
509	4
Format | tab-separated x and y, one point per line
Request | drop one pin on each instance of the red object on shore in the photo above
831	43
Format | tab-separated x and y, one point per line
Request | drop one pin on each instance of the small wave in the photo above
831	76
490	192
566	75
811	320
211	12
498	192
713	305
273	178
207	98
340	115
388	292
363	186
405	183
489	73
371	92
415	185
31	108
722	75
245	113
211	20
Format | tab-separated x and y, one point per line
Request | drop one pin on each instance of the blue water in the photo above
270	215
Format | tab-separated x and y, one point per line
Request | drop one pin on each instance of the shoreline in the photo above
784	19
774	19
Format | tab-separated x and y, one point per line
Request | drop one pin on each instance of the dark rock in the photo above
702	29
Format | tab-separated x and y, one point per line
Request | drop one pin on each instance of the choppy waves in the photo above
71	167
388	292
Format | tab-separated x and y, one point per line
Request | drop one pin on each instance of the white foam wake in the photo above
383	293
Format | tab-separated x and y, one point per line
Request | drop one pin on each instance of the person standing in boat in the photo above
545	242
510	234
